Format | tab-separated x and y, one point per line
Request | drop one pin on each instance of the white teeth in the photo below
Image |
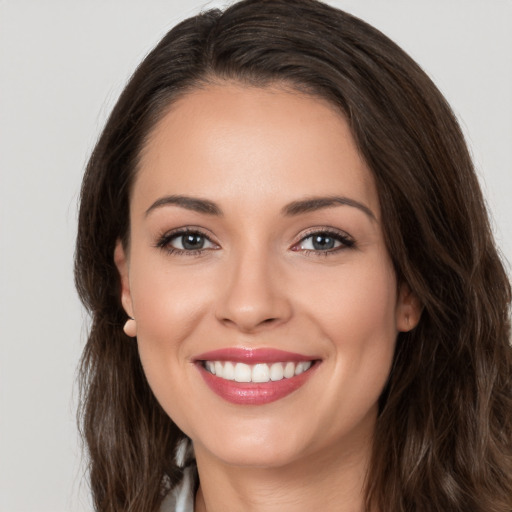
276	371
228	371
242	372
289	370
302	367
261	372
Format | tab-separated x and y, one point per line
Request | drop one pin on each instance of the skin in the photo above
259	282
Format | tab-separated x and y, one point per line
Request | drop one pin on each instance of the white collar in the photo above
181	498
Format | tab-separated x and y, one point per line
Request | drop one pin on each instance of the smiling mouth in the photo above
255	376
256	373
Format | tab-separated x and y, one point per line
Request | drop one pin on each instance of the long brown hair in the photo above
443	439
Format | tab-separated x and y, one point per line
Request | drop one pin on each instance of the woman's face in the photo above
257	253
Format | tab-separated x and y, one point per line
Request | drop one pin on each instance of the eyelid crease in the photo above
345	239
321	230
165	238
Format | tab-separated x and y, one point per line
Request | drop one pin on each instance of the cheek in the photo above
363	326
168	309
355	304
167	301
169	305
355	312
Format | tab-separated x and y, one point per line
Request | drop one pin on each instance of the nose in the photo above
253	295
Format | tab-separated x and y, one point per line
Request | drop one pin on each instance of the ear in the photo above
408	309
122	264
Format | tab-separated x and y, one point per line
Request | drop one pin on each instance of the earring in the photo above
130	328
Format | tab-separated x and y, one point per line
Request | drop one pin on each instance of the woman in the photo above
282	215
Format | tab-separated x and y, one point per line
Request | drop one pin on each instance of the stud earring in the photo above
130	328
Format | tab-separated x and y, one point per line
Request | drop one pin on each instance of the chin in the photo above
255	447
256	456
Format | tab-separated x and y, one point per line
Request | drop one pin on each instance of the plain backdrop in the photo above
63	63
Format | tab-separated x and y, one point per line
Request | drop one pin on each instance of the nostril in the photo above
250	324
248	308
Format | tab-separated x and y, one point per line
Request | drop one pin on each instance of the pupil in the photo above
321	242
192	241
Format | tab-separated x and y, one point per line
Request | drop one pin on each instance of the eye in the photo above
186	242
189	242
324	242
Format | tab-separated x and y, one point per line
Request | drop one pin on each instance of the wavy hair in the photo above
443	437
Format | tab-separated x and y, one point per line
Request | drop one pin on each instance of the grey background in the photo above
62	66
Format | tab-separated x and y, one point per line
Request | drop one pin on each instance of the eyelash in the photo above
165	240
345	240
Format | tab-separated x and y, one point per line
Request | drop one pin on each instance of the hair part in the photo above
443	439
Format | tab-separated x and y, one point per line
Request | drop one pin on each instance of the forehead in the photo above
271	144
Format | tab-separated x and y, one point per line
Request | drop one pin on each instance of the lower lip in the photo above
251	393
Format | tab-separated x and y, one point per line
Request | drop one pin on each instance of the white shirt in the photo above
181	498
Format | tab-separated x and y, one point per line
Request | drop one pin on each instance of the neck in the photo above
332	480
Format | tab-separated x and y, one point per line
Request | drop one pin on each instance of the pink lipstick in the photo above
254	376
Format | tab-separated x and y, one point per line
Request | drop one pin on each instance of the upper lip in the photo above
252	355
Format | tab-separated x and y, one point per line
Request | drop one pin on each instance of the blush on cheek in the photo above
168	307
361	302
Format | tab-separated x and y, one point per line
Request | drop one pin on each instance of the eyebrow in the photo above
189	203
317	203
294	208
